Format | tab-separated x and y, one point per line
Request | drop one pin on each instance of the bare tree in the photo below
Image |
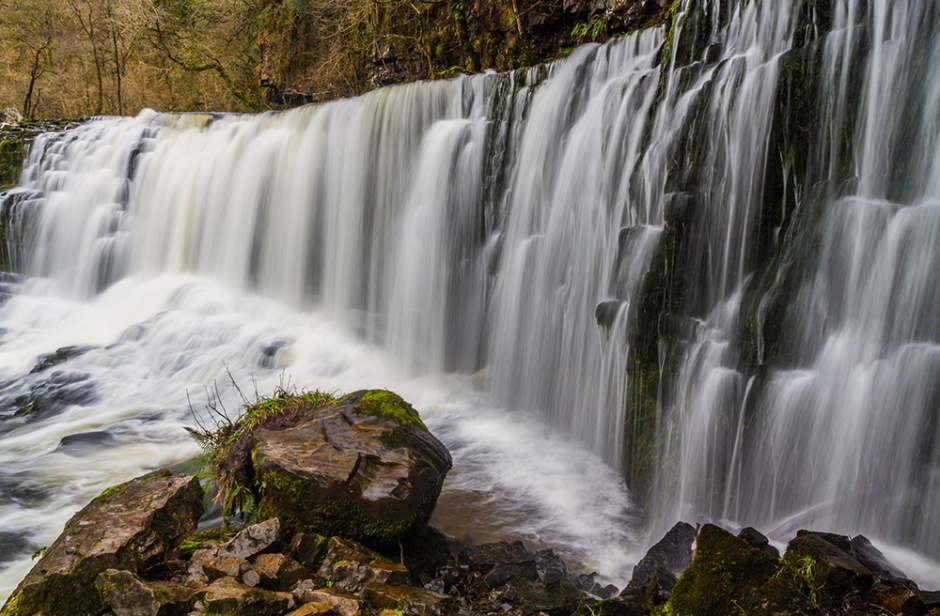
30	27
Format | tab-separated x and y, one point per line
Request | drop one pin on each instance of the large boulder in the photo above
817	576
872	559
724	574
672	553
366	468
130	527
826	577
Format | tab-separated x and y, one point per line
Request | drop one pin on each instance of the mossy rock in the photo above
130	527
206	538
723	577
366	468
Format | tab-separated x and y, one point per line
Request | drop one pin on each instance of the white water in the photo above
337	247
452	241
846	437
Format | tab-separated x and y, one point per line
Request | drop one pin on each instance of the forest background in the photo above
78	58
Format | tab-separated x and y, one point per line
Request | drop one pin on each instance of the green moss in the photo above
13	605
387	405
723	577
59	595
227	447
205	538
108	492
12	153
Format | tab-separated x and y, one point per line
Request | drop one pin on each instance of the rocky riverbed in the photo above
342	489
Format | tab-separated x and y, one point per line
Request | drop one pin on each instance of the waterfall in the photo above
837	426
698	259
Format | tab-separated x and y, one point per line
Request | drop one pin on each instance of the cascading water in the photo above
837	428
487	247
342	246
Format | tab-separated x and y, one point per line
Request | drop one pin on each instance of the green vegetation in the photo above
227	445
724	575
388	405
204	538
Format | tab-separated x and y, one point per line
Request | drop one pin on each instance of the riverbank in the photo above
364	470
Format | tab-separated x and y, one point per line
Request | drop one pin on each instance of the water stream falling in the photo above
483	246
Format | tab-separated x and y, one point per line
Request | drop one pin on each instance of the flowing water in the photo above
844	433
480	246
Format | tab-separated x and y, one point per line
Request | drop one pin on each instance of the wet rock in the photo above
757	540
254	540
672	553
872	559
500	562
366	468
725	572
834	568
447	579
75	443
550	568
840	541
678	209
593	584
350	567
270	351
621	15
534	581
607	311
279	572
228	596
309	549
128	595
409	599
898	599
426	553
56	393
930	600
653	593
60	356
342	603
129	527
815	576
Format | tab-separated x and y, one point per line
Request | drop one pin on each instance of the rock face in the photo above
366	469
724	572
672	553
129	527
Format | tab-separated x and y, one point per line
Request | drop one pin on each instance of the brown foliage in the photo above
73	58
